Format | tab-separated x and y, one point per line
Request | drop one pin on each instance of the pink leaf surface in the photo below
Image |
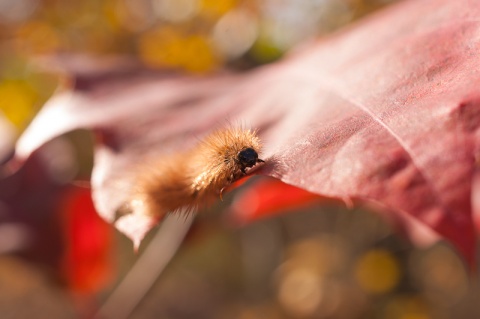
386	111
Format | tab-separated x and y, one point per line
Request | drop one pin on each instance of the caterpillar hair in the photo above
194	179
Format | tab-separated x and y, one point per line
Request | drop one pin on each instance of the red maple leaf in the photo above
385	111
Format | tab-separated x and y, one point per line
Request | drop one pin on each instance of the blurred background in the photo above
316	259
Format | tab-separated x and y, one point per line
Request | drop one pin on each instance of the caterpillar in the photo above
194	179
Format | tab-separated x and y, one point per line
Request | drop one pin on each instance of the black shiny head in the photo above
247	157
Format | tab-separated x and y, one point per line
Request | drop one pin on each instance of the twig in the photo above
148	267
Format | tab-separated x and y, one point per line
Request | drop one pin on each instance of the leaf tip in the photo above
135	227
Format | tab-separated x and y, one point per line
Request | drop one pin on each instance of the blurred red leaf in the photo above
54	224
269	197
88	263
385	111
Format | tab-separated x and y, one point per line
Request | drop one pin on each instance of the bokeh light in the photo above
176	10
318	262
235	33
377	271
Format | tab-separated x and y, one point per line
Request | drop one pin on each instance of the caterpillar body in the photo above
195	178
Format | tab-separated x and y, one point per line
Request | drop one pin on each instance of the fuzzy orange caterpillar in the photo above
196	178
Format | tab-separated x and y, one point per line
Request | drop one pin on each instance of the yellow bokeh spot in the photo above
161	47
167	47
406	307
17	101
217	8
377	271
199	56
111	14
